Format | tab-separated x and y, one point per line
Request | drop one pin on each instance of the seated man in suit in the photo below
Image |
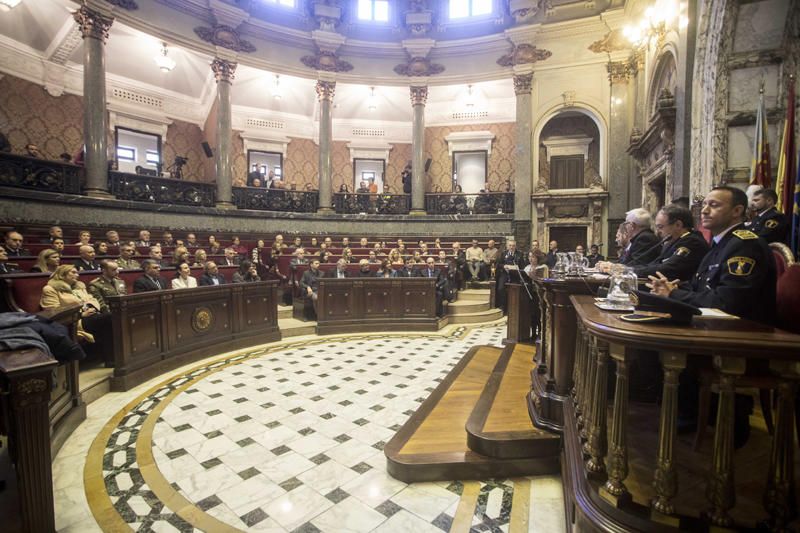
594	256
151	280
144	239
86	261
14	245
401	270
643	245
157	255
309	283
231	258
211	276
55	232
683	252
430	271
5	266
340	271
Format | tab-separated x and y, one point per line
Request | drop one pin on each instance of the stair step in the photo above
482	295
94	383
284	311
461	307
490	315
432	444
500	425
291	327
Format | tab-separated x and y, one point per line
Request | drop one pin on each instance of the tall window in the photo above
286	3
377	10
469	8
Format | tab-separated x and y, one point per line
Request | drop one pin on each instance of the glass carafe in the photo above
622	283
562	263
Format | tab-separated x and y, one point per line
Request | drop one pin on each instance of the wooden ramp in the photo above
485	393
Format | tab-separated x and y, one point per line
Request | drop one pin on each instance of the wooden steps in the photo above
434	444
292	327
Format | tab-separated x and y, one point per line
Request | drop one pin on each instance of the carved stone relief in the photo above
418	66
224	36
523	54
327	61
612	42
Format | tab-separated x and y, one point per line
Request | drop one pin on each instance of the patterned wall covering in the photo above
500	164
28	114
399	157
184	138
239	160
301	164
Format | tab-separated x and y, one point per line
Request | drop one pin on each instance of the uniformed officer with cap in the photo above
738	274
682	252
108	284
769	223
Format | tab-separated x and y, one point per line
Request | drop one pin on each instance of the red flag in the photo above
784	186
760	169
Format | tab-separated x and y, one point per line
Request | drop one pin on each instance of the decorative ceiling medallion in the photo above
612	42
130	5
224	36
325	60
418	66
523	54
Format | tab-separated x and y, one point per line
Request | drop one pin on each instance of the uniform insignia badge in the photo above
741	266
745	234
682	251
771	224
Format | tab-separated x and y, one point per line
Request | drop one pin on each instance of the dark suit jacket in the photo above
403	273
207	279
310	279
367	274
334	274
224	262
644	249
146	284
80	264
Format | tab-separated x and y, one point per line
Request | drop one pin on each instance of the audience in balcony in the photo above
14	245
126	260
54	232
211	275
5	266
64	288
31	150
184	278
144	239
47	261
86	260
108	284
151	280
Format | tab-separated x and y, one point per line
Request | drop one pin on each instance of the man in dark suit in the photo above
309	283
682	253
14	245
150	281
430	271
340	271
551	257
231	259
211	276
643	247
768	223
86	261
5	266
403	272
55	232
594	256
405	176
509	261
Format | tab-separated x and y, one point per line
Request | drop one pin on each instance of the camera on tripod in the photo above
176	168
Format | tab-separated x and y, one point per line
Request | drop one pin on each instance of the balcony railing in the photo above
375	204
487	203
40	174
126	186
275	200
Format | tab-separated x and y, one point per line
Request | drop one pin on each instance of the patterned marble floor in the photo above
285	437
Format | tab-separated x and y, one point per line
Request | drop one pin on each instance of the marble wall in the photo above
28	114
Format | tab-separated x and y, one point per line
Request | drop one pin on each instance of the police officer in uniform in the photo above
108	284
769	223
682	253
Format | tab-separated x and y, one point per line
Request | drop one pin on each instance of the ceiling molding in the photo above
64	43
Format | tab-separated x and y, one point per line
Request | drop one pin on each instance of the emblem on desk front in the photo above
202	318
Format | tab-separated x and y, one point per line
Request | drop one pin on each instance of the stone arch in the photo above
664	77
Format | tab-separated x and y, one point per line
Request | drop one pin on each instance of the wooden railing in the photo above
376	204
486	203
39	174
275	199
139	188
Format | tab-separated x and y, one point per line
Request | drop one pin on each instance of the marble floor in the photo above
285	437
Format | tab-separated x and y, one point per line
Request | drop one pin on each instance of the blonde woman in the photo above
64	288
200	258
184	279
47	261
394	256
180	256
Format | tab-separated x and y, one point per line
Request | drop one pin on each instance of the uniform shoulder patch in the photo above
745	234
741	266
682	251
771	224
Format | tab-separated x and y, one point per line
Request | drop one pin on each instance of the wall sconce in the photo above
372	104
658	19
470	101
164	62
277	94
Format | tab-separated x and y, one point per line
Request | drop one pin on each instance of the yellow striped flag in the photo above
784	186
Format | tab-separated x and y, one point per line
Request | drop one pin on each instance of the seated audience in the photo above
64	288
475	261
14	245
363	269
363	243
551	258
31	150
108	284
230	259
191	240
309	283
278	242
298	243
84	237
167	239
345	242
101	248
299	258
214	246
580	250
86	260
340	271
373	258
401	270
347	255
144	239
112	238
5	266
643	245
47	261
151	279
238	247
54	232
184	278
211	275
384	270
314	242
768	223
126	260
246	274
157	255
430	271
200	258
180	256
58	245
594	256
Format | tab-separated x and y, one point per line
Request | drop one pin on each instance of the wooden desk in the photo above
603	337
368	304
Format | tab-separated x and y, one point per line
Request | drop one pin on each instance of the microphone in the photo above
648	250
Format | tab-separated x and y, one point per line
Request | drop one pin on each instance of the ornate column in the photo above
614	490
325	91
597	444
223	72
94	27
623	193
419	95
523	175
779	496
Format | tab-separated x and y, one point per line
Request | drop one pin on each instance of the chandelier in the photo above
657	21
164	62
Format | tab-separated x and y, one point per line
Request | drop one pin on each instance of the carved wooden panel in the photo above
340	300
378	301
201	316
416	300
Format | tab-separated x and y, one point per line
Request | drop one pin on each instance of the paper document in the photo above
708	312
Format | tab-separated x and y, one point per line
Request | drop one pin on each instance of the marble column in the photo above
94	28
623	192
523	154
419	95
223	72
325	91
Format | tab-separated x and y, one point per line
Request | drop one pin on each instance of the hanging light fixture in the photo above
277	94
164	62
657	21
372	104
8	5
470	101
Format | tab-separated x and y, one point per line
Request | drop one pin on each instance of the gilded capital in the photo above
223	69
620	71
325	90
93	24
419	95
522	83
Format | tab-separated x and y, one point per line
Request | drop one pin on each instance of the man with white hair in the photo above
643	245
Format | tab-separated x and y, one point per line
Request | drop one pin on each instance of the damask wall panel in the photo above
239	160
341	166
28	114
184	139
500	164
399	157
301	164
